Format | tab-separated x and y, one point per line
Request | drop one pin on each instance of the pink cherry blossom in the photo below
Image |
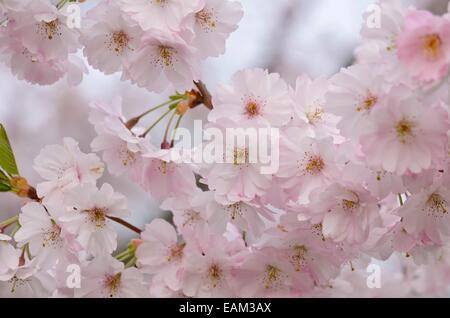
122	149
89	210
249	217
305	163
253	97
407	136
160	15
208	266
26	281
163	60
9	256
106	277
425	214
264	273
424	45
213	24
347	213
38	45
309	107
353	95
190	210
111	38
64	167
46	239
163	174
161	254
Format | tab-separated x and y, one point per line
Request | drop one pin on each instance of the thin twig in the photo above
126	224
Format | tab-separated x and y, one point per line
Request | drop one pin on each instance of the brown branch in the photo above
126	224
206	98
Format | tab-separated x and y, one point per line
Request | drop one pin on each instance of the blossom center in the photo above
215	274
272	276
368	102
235	210
127	157
298	258
112	284
432	45
165	167
161	3
404	130
315	115
176	252
119	42
97	216
314	165
206	19
17	282
50	29
191	217
52	236
437	205
240	156
252	109
166	56
349	205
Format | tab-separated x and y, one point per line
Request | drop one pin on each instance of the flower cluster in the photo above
364	167
154	44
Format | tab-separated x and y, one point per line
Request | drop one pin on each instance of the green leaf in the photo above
5	187
7	160
3	177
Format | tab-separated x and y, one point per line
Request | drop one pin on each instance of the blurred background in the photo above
286	36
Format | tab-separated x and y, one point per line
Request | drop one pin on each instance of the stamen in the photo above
436	206
252	109
272	276
215	275
176	252
112	284
432	44
367	104
206	19
97	216
49	29
314	164
118	42
404	130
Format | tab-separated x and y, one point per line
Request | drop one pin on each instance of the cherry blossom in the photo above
88	214
161	254
213	24
361	177
160	14
38	45
409	136
64	167
163	60
425	214
345	212
111	39
305	163
424	46
106	277
9	259
254	97
208	266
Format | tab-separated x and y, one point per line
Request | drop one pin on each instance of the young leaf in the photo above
7	160
4	187
3	177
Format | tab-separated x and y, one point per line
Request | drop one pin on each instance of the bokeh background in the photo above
286	36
